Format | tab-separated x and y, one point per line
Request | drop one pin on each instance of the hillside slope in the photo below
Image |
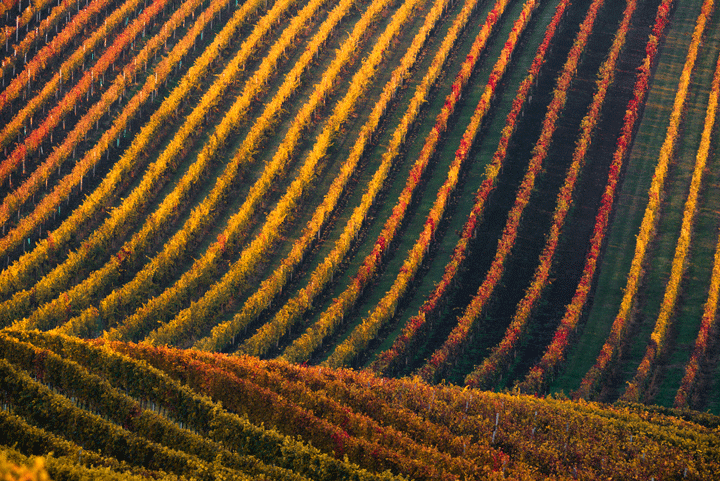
318	239
117	409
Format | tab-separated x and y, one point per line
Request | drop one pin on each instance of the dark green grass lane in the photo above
631	201
710	380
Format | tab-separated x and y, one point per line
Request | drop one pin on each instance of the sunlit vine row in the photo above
64	462
78	297
123	216
46	408
50	205
504	435
707	322
198	412
554	437
351	435
270	333
39	62
557	437
85	86
137	417
66	72
133	294
158	309
114	92
333	396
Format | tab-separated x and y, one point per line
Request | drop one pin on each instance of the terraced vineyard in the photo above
497	196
